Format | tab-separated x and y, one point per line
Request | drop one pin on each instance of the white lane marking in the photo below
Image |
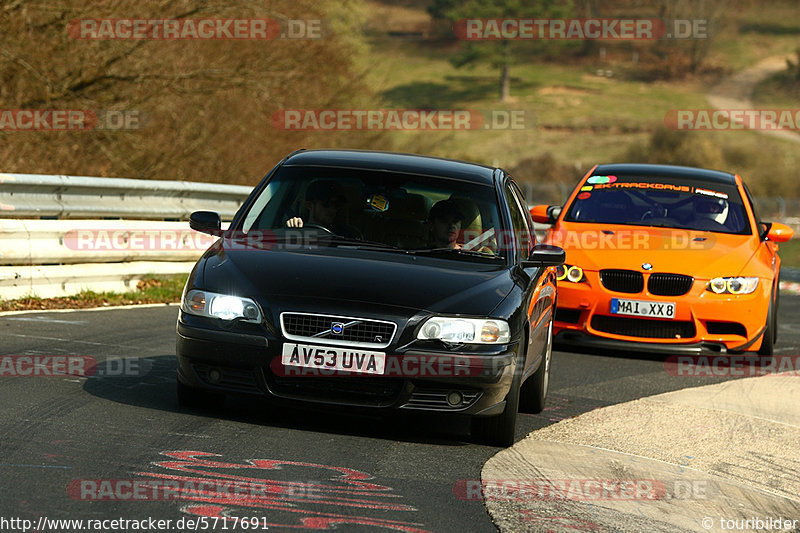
45	319
59	339
106	308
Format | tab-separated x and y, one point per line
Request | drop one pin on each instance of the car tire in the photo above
768	339
777	307
192	397
501	430
533	392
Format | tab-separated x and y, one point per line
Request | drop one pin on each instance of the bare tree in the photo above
204	105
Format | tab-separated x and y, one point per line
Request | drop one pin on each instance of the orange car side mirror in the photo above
545	214
779	232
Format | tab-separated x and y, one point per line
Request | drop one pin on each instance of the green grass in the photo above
153	289
781	90
790	253
578	117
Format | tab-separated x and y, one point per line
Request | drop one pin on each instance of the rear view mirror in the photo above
777	232
545	214
544	255
205	222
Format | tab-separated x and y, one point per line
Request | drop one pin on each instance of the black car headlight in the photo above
226	307
465	330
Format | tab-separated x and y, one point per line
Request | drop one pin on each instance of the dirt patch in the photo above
562	90
33	304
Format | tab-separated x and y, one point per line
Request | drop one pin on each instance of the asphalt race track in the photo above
74	446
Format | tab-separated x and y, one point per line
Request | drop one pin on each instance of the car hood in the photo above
701	254
354	279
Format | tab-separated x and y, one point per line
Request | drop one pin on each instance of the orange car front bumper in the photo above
702	321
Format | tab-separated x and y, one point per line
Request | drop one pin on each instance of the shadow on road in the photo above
149	382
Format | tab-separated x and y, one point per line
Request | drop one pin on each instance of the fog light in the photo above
214	375
454	398
250	311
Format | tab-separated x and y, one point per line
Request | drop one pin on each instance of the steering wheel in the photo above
318	226
656	210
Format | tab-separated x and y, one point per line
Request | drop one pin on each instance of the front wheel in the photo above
500	430
534	390
768	339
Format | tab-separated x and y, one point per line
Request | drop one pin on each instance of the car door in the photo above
539	283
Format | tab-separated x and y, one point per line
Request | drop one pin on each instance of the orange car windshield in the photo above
660	202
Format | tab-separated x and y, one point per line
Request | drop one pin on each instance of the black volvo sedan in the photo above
374	281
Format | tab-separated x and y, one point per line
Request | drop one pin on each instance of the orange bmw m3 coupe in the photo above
665	258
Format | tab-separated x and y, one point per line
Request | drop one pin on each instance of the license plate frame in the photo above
643	308
333	358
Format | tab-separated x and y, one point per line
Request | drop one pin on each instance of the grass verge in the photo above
150	290
790	253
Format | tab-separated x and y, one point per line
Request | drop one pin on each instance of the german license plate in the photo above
620	306
333	358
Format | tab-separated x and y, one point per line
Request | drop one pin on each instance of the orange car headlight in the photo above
570	273
732	285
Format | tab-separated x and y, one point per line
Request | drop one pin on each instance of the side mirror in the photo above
777	232
206	222
545	214
544	255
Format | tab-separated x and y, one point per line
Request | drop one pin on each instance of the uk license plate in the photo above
333	358
620	306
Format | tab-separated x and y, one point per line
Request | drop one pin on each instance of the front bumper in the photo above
704	322
246	362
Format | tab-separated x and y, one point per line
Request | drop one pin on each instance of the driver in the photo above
324	200
711	209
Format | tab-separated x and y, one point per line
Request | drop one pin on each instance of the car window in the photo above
526	214
522	232
405	211
660	201
761	225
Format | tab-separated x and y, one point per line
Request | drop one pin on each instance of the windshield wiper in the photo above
337	239
454	251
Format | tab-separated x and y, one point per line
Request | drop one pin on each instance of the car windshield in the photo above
379	209
660	201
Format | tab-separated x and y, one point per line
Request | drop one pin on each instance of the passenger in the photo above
444	225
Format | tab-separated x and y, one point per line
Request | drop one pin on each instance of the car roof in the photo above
638	169
393	162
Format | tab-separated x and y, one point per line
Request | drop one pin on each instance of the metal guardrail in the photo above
34	195
80	250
